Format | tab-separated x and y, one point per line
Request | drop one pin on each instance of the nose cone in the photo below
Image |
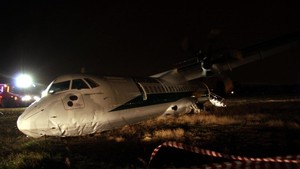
25	127
32	123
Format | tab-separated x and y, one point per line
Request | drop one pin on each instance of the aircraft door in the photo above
143	91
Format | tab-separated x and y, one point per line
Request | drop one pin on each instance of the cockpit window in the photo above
60	86
91	82
79	84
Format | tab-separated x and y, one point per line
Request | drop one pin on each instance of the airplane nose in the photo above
24	127
32	124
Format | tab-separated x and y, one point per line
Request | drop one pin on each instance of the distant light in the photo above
24	81
26	98
232	92
36	98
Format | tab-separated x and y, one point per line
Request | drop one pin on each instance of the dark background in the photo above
141	38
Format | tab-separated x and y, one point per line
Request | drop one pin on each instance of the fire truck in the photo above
9	99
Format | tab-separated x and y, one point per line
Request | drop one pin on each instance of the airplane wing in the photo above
260	51
213	64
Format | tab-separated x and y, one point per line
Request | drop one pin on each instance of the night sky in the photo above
141	38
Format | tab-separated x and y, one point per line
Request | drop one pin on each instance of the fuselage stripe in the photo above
152	99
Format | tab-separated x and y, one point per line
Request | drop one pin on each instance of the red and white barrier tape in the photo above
239	160
251	165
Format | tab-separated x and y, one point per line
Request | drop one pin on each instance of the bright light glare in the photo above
26	98
44	93
24	81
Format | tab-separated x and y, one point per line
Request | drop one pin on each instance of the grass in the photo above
168	134
250	129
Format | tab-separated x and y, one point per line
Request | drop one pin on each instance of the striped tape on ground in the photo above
238	160
251	165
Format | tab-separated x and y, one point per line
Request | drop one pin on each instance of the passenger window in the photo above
79	84
57	87
92	83
146	89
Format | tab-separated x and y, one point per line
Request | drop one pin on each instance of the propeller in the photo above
218	59
202	63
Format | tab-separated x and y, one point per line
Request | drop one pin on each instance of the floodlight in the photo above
24	81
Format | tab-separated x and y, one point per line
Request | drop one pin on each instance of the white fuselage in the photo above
78	105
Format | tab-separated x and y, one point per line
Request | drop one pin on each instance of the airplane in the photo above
80	104
83	104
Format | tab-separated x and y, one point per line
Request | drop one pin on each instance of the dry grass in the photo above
254	117
219	120
281	123
179	128
235	130
275	123
169	134
293	125
116	138
194	119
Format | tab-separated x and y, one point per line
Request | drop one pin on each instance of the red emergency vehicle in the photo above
9	99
